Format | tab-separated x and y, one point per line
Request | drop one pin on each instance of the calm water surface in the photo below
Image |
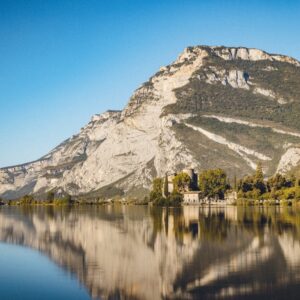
136	252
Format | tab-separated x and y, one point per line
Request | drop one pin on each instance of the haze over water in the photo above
138	252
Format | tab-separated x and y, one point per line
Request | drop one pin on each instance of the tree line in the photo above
50	199
215	183
211	183
277	187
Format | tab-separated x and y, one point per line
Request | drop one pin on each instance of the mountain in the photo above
212	107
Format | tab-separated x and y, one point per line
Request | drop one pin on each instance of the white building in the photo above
170	183
192	197
231	197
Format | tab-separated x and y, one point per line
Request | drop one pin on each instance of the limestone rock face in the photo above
198	111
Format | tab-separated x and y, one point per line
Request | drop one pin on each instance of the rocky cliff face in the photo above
213	107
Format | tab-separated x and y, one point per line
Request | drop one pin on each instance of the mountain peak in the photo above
234	53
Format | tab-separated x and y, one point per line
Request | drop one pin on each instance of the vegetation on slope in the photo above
261	139
282	78
209	153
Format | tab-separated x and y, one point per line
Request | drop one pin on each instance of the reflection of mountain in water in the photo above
147	253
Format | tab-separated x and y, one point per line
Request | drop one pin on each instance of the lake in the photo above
140	252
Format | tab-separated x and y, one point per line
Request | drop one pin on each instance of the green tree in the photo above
292	180
235	185
157	186
27	200
181	182
252	186
259	183
278	182
213	183
50	196
246	184
68	199
175	199
166	186
259	175
297	193
65	200
273	194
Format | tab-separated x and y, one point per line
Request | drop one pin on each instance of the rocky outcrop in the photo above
289	160
123	150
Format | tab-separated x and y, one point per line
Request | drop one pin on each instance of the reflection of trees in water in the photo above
170	221
156	214
275	219
107	248
258	255
148	253
173	221
214	226
214	223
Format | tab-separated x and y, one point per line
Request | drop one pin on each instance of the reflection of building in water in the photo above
153	253
182	224
109	255
191	222
231	213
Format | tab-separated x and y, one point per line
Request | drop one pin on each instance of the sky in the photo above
62	61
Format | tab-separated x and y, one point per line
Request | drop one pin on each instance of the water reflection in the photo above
152	253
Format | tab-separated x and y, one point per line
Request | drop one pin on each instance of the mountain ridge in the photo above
125	149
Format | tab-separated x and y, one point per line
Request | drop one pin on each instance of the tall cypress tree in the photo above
166	186
235	182
259	179
259	175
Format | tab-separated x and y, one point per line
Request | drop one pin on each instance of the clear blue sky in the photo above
64	60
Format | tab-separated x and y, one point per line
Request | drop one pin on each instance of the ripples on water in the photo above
137	252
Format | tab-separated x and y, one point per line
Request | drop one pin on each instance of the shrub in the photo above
182	182
50	196
67	200
175	199
285	202
161	201
27	200
213	183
